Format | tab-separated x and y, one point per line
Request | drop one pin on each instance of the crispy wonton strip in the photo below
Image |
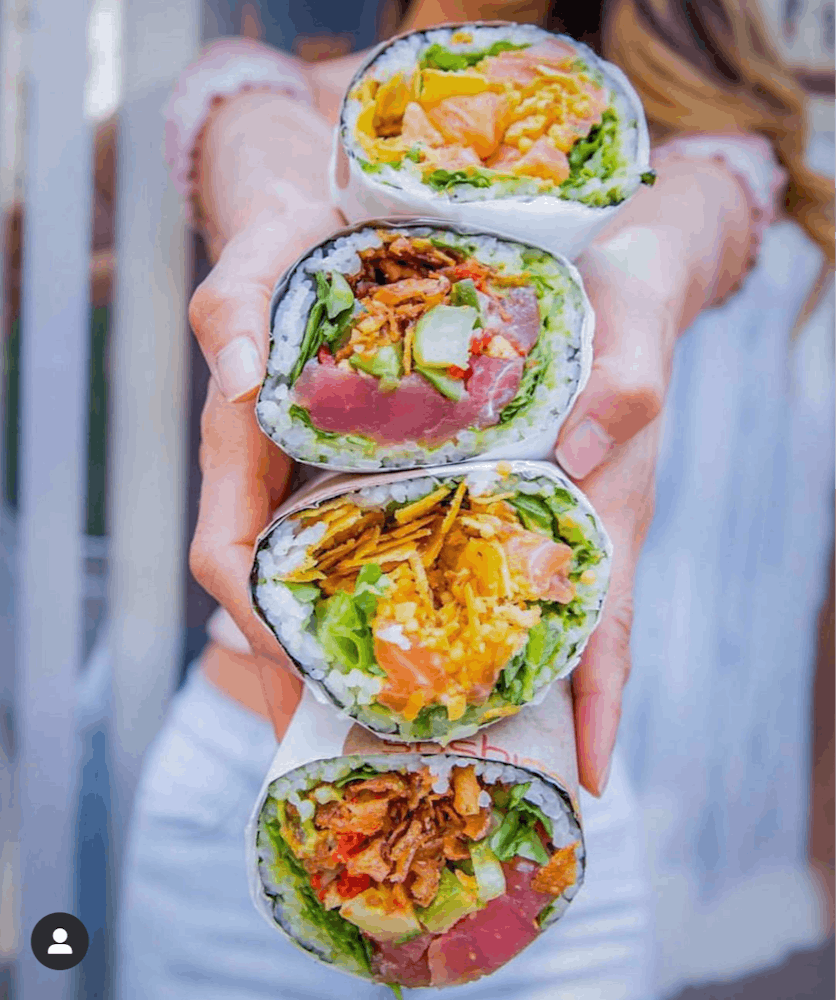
434	548
559	873
320	512
415	510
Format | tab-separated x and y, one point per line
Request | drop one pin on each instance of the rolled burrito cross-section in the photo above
504	125
416	870
425	606
397	346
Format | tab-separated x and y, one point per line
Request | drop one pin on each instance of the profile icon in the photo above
59	941
60	946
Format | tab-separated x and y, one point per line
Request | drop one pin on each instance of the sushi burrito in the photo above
417	865
398	345
495	124
424	605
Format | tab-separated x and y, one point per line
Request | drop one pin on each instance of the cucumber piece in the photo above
488	871
386	365
463	293
452	902
339	297
376	912
442	336
452	388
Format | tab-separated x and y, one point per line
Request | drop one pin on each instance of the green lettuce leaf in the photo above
301	414
443	180
438	57
328	320
534	372
516	834
344	623
598	155
534	513
516	682
304	592
345	937
360	773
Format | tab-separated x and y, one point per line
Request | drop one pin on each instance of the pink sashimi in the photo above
527	901
480	943
350	402
521	66
477	121
544	564
476	945
516	317
403	963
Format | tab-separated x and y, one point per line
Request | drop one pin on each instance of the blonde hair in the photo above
710	67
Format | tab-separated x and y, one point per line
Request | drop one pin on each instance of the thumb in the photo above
630	372
229	311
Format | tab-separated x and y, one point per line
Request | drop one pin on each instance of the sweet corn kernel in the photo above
532	127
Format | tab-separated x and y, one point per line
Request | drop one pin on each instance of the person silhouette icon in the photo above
59	936
49	941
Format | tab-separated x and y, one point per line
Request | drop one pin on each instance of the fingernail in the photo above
605	778
239	369
585	448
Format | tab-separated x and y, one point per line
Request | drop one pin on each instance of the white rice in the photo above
288	907
403	54
353	692
292	301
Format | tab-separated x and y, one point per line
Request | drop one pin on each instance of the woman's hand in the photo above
609	446
262	187
679	246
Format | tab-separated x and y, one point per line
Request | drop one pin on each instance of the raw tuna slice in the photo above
516	317
494	383
403	963
526	901
349	402
480	943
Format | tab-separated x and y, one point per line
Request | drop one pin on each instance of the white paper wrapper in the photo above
540	745
529	435
560	225
591	596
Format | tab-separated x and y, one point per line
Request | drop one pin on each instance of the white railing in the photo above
53	432
44	55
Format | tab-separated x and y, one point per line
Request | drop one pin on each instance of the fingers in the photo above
244	478
229	312
630	371
621	491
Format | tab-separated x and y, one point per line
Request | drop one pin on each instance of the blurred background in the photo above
100	398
